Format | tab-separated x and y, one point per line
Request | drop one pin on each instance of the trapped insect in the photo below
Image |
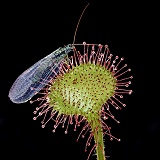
35	78
31	81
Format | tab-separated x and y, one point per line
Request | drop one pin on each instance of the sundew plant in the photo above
83	91
77	90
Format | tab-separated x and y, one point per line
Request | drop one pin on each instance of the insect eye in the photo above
69	45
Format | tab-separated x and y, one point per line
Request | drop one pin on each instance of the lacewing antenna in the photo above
79	22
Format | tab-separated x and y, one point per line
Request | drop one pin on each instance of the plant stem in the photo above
98	138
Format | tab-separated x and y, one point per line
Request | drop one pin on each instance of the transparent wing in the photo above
37	77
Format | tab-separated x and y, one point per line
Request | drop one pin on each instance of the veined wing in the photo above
37	76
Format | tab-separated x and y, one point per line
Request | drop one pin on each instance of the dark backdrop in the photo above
32	31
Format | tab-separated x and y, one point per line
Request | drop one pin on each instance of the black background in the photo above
32	31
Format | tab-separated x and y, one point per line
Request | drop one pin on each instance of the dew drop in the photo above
34	112
34	118
43	126
55	126
130	91
105	117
